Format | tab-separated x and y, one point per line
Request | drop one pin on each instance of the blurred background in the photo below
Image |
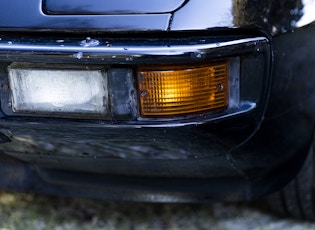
32	212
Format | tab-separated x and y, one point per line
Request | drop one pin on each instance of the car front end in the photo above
182	101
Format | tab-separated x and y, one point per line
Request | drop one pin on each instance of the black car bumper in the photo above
236	154
131	154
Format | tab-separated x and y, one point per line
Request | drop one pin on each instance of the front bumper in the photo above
121	58
190	149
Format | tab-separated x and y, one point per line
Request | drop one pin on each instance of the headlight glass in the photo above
48	91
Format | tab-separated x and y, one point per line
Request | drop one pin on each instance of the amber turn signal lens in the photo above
167	91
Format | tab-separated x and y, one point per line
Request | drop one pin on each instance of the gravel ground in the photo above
32	212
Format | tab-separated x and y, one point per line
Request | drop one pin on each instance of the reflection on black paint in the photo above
277	16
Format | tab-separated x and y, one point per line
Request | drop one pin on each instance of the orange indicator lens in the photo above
167	91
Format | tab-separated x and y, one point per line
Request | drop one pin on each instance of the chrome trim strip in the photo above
132	50
244	108
107	52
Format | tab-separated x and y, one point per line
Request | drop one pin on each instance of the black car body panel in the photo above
95	7
30	15
176	15
238	155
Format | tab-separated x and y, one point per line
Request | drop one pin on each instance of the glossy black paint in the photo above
107	7
239	158
286	134
275	17
29	16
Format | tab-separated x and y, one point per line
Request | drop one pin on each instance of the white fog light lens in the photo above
48	91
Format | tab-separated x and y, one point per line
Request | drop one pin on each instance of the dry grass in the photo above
29	212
